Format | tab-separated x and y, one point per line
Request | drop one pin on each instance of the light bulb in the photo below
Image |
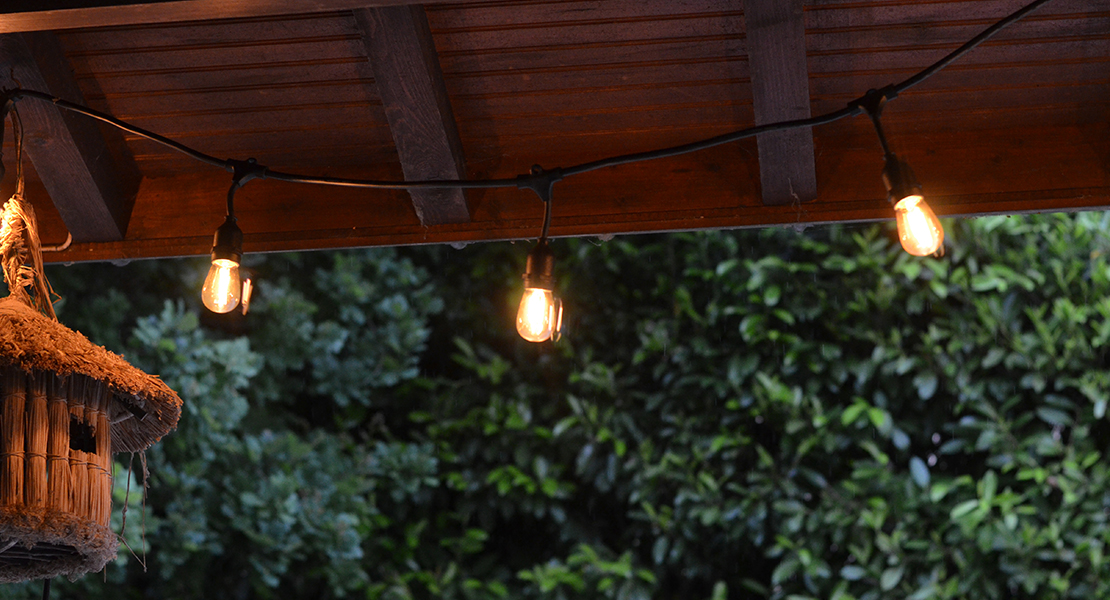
919	230
222	286
538	315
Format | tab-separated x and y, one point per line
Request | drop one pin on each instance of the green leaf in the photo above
926	384
771	295
853	572
990	487
1053	416
852	413
785	570
920	472
890	578
899	438
964	508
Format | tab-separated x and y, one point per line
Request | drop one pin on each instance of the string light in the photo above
919	230
540	316
224	288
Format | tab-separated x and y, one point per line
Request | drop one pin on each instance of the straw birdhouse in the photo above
65	405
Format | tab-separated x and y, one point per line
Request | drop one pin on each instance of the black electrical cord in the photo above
853	107
121	124
542	179
546	220
394	185
987	34
709	143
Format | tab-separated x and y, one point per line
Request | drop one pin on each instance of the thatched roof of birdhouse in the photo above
143	407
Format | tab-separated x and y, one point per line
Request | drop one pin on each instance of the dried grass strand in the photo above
31	342
21	256
35	479
12	423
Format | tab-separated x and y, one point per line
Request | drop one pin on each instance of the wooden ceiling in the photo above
484	88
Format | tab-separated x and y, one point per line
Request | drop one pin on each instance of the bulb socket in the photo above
899	180
227	244
539	271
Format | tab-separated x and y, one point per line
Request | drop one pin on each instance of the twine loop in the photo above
20	250
21	256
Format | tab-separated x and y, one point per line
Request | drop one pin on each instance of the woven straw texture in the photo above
144	408
63	544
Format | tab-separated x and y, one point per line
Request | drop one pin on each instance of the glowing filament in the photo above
919	230
538	315
222	286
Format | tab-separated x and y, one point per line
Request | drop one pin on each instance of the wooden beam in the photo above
979	173
410	83
42	15
91	178
775	37
740	217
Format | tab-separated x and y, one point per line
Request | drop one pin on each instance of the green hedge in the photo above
758	414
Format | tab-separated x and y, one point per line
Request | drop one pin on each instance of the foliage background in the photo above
753	414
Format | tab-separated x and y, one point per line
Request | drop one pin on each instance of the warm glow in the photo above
222	286
247	288
537	316
918	228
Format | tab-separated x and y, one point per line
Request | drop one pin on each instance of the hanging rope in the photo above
20	251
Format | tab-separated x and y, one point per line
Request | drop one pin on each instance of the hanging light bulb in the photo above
222	287
541	314
919	230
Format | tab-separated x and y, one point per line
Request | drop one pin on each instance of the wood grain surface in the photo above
1021	124
776	45
92	187
410	84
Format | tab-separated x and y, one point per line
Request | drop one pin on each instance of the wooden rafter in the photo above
92	186
410	83
780	92
200	243
561	82
683	193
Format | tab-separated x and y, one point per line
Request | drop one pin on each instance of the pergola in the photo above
487	88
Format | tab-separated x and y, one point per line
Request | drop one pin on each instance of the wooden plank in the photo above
487	16
614	223
212	32
87	171
407	73
976	173
852	15
168	61
40	15
780	92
